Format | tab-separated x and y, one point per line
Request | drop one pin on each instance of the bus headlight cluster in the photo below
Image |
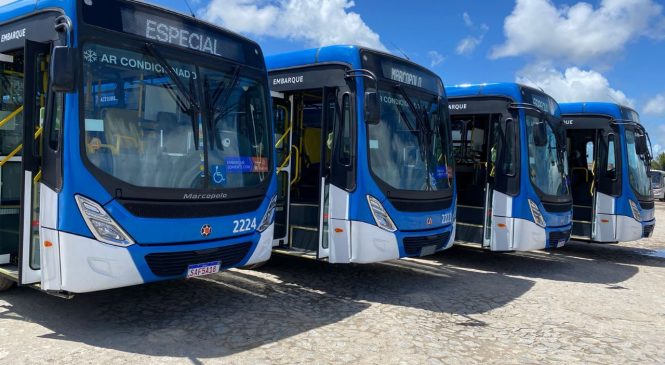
269	217
537	216
636	211
102	226
380	215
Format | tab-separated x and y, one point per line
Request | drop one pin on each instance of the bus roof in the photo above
597	108
339	53
508	89
344	53
13	9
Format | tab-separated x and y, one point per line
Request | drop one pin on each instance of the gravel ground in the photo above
585	303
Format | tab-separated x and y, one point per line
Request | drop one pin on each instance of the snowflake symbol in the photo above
90	55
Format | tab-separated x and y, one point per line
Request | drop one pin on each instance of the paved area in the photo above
582	304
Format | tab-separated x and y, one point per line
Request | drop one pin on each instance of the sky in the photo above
599	50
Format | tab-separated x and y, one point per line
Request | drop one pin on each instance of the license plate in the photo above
428	250
561	243
203	269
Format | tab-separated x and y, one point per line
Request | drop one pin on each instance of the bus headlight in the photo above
537	216
636	211
269	217
102	226
380	215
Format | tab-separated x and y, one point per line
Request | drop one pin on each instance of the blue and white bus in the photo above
363	156
511	170
609	159
136	146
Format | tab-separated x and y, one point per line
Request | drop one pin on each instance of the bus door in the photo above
604	187
287	156
24	91
582	160
329	118
471	141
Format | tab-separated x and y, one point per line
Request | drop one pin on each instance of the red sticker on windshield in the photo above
260	164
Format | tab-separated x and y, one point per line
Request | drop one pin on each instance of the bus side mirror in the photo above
64	66
372	108
641	144
540	134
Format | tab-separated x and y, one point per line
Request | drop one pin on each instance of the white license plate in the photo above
427	250
561	243
203	269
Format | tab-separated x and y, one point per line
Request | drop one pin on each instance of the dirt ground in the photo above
585	303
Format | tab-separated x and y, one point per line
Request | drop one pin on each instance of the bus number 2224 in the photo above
244	225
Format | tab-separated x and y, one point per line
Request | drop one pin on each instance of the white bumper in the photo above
89	265
528	236
370	243
264	248
628	229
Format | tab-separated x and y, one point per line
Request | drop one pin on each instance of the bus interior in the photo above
303	155
11	142
472	138
583	151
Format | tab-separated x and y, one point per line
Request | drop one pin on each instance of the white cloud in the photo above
467	19
580	32
435	58
315	22
655	106
468	44
572	84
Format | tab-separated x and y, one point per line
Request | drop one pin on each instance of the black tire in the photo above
5	284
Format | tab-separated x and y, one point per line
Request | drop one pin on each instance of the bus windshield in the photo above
637	167
656	179
408	146
546	166
192	128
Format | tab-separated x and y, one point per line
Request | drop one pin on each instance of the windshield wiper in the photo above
424	131
194	107
222	92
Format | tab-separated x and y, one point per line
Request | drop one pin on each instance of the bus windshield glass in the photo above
546	165
656	179
192	128
637	167
408	146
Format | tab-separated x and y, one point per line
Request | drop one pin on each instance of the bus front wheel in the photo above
5	284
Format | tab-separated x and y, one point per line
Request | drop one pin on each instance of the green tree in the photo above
658	162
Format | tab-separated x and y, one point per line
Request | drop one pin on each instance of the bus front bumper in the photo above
88	265
528	236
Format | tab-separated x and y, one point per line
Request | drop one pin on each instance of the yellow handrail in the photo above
283	137
18	149
37	177
12	154
11	116
286	160
297	169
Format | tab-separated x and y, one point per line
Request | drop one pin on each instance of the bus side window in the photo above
56	121
510	150
346	143
611	162
589	155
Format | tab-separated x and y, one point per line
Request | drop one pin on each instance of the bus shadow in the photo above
564	264
654	257
210	317
415	284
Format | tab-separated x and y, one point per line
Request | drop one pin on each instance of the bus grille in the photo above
176	263
646	231
413	245
555	237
